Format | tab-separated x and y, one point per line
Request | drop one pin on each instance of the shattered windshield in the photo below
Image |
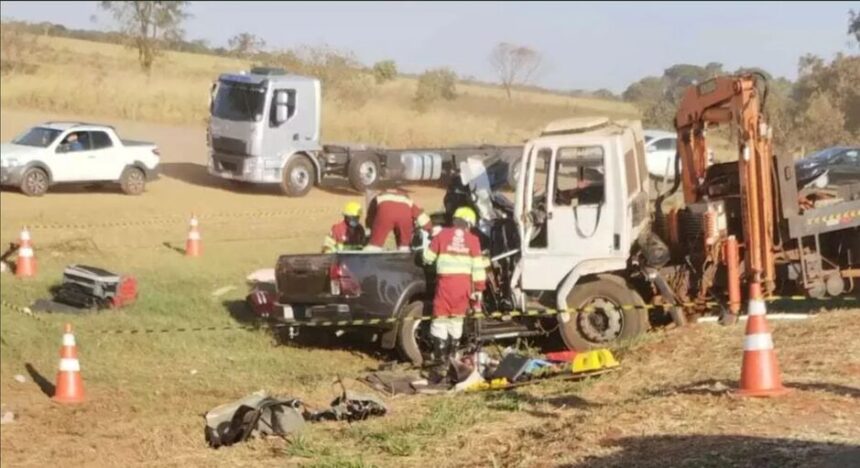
239	101
38	136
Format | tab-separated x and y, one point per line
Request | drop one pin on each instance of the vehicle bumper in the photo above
324	315
11	175
244	169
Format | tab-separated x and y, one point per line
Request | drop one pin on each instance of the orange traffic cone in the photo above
760	375
192	245
25	267
70	385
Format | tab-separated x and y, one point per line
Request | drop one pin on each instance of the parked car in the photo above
72	152
836	165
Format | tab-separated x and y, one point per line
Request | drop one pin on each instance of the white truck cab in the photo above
73	152
580	206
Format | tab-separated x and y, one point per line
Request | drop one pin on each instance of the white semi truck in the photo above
264	128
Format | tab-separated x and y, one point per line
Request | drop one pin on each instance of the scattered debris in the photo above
261	415
193	372
20	378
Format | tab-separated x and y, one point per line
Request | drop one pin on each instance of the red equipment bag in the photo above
261	302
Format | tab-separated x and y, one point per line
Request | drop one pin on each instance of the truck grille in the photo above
229	146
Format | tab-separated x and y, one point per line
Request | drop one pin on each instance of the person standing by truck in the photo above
348	234
393	210
460	278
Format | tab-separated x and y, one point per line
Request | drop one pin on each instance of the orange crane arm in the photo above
733	100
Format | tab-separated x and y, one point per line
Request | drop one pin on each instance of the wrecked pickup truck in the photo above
379	286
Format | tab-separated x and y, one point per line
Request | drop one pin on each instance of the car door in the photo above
72	162
106	159
845	167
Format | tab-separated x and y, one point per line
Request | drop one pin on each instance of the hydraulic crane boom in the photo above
737	101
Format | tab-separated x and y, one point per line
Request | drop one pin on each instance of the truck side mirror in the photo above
281	108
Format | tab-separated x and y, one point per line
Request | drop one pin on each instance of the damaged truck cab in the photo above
580	208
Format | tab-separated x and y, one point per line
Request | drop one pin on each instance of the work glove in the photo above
476	297
435	230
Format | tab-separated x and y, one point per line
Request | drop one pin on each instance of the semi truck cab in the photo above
259	122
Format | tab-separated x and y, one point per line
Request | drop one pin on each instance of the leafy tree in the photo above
439	83
384	71
149	25
514	65
245	44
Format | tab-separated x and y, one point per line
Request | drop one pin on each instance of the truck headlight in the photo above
250	165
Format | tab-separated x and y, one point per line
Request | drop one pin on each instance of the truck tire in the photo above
132	181
363	171
298	177
413	334
35	182
609	323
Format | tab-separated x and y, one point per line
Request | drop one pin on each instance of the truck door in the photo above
567	216
73	160
106	162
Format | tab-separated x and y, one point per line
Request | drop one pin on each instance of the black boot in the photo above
439	365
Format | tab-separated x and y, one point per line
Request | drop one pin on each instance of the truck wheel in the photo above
35	182
608	323
298	177
413	335
363	171
132	181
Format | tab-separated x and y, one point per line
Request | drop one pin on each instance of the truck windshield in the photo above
38	136
239	101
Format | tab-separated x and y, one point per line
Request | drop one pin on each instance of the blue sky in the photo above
585	45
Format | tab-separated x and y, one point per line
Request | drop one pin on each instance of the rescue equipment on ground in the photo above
94	287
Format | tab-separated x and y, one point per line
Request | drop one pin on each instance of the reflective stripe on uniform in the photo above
479	269
423	219
429	256
758	342
70	365
393	197
448	264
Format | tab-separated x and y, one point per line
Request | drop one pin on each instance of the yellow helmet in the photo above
466	214
352	208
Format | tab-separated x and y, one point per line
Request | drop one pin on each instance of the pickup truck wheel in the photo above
132	181
298	177
608	322
363	172
35	182
413	335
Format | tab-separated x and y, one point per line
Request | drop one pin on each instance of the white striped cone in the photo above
193	247
760	374
25	266
70	385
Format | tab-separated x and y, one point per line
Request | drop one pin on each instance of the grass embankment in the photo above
88	78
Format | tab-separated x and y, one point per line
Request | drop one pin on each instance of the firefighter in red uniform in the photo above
393	210
347	234
460	278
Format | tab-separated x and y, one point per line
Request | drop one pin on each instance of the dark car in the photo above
831	166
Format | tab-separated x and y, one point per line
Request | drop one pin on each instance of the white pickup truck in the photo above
72	152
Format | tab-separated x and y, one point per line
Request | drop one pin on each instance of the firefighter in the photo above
393	210
348	234
460	279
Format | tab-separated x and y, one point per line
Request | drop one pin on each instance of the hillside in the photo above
103	80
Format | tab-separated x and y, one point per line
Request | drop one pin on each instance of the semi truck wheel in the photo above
608	322
298	177
35	182
363	171
413	335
